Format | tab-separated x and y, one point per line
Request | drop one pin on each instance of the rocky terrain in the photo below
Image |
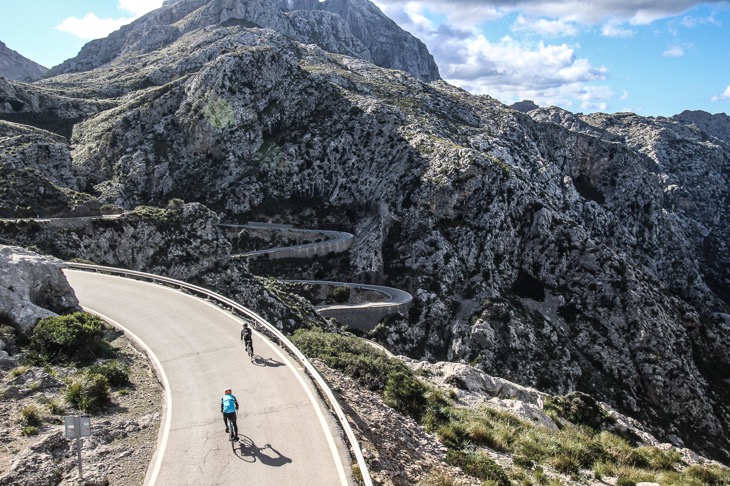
559	251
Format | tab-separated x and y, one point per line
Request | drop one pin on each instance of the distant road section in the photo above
319	242
286	436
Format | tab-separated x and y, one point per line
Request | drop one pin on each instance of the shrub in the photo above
578	408
565	464
18	370
657	459
88	392
55	408
356	359
29	430
437	478
76	339
116	372
625	481
30	415
709	475
478	465
453	435
405	393
341	294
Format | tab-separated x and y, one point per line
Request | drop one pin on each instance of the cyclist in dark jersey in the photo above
246	336
229	406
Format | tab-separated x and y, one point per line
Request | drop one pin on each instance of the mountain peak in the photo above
15	66
356	28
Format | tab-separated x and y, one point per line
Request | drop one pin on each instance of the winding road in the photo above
287	435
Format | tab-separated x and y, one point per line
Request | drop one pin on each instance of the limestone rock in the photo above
33	287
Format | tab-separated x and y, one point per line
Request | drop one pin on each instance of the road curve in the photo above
286	437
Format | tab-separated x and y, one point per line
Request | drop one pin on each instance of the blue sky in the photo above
654	58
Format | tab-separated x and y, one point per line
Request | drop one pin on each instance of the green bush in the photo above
116	372
367	365
579	409
29	430
30	415
405	393
72	339
478	465
55	408
341	294
709	475
88	392
453	435
438	478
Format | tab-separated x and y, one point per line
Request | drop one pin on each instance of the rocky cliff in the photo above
15	66
559	251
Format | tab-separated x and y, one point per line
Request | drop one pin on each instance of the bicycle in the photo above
231	429
249	350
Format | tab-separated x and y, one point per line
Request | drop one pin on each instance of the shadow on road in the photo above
268	456
266	362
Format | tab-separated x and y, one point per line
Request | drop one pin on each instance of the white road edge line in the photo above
166	410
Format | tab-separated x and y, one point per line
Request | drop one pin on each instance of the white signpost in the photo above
77	427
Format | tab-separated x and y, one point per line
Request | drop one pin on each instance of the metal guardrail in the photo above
261	325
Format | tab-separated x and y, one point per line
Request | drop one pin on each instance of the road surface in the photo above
286	437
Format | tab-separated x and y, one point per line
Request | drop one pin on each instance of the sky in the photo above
650	57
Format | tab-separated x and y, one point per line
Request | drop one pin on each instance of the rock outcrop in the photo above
32	287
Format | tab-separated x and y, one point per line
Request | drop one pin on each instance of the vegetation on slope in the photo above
472	435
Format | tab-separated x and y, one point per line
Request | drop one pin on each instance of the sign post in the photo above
77	427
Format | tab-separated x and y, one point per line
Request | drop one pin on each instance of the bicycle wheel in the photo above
231	431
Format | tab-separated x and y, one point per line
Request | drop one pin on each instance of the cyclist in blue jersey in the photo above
229	407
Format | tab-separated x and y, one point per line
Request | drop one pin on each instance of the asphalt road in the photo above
286	438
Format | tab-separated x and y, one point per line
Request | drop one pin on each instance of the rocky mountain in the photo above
559	251
15	66
353	27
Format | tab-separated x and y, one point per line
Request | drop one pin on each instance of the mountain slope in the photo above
15	66
558	251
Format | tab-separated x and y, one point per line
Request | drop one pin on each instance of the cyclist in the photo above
246	336
229	406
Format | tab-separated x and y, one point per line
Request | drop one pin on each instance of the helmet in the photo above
227	391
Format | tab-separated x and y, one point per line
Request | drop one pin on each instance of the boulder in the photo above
33	287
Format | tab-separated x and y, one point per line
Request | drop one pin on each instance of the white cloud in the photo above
675	51
552	28
93	27
512	71
613	28
725	96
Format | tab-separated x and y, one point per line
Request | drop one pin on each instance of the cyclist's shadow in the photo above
248	451
266	362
